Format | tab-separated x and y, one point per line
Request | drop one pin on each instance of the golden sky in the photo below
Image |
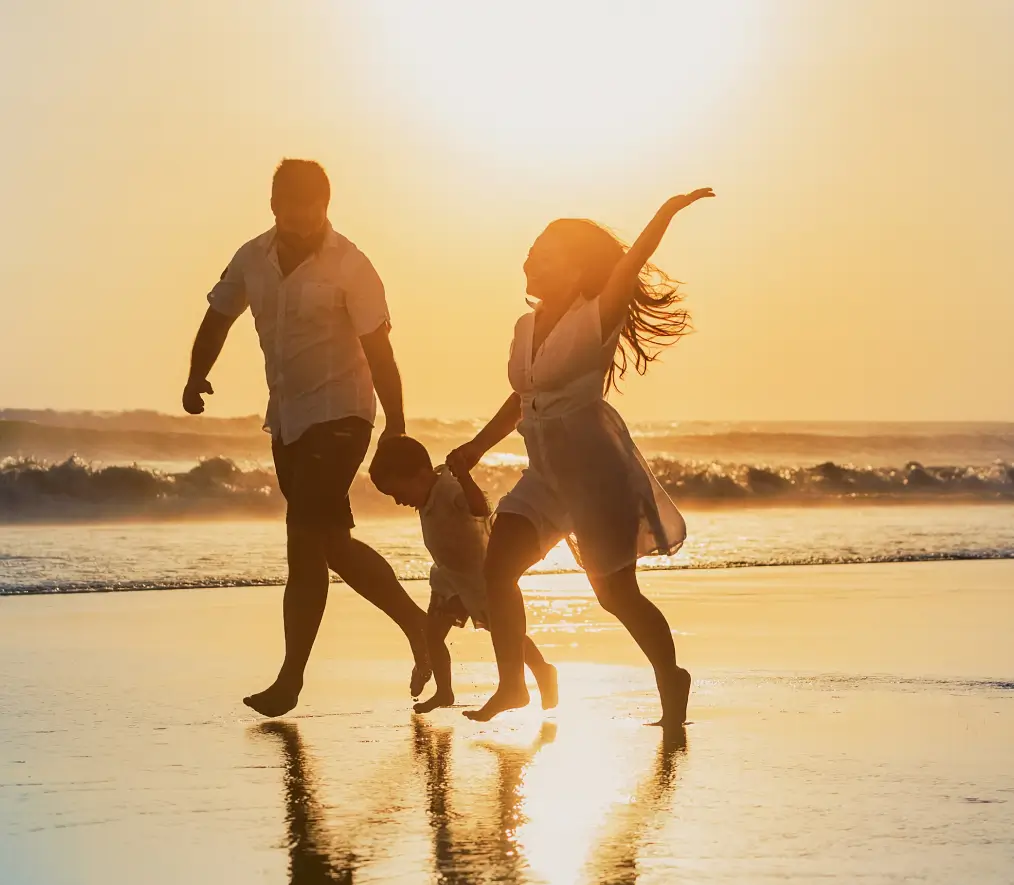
858	262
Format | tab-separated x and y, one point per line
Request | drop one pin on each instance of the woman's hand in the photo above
464	458
684	200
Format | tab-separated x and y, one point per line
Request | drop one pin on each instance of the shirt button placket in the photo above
280	353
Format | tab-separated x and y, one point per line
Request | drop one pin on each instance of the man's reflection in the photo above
312	860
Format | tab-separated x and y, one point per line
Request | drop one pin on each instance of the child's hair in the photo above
399	457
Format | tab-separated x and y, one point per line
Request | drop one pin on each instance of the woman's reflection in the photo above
615	859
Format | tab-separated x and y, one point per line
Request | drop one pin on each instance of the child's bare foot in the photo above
421	674
440	699
276	700
503	699
549	687
421	670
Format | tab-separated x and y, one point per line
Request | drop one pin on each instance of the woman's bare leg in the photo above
620	595
513	549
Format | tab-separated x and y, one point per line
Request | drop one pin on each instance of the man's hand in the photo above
392	429
193	395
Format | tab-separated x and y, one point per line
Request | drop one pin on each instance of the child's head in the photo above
402	469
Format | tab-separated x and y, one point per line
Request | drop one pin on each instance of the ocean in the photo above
138	501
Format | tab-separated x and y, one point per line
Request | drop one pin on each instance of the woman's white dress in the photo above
586	480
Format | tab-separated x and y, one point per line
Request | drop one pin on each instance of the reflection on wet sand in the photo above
616	858
479	841
313	859
493	844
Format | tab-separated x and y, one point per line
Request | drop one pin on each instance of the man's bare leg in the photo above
302	608
371	576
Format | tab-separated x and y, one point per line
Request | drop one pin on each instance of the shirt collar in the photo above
441	472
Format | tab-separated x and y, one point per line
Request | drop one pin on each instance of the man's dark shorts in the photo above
316	472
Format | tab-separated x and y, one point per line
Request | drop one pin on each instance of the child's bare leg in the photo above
438	625
544	673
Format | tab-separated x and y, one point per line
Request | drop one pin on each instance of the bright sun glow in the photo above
531	83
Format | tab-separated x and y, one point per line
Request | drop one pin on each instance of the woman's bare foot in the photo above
675	694
277	700
503	699
440	699
549	687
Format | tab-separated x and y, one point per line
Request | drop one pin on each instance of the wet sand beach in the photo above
849	724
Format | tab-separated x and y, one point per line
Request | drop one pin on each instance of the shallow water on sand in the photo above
139	556
850	724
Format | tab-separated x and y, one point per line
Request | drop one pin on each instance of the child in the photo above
455	524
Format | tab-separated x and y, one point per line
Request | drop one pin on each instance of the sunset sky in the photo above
857	264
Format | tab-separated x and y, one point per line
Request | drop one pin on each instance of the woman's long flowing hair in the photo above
655	319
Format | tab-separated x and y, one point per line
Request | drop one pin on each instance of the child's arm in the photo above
474	496
615	298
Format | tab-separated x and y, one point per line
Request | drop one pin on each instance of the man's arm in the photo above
207	346
386	378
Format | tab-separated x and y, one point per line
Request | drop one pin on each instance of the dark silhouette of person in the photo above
321	316
599	307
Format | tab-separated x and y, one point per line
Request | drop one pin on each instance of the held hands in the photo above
461	461
684	200
193	395
394	427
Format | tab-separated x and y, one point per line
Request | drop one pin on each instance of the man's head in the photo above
402	469
300	193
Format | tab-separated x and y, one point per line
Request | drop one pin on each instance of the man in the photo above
322	319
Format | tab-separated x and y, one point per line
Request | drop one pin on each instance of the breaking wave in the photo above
75	490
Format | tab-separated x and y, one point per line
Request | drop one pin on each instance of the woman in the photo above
597	307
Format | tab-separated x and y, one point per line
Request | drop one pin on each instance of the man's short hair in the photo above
399	457
303	176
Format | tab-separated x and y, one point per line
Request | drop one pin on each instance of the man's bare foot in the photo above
549	687
274	701
503	699
675	694
440	699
